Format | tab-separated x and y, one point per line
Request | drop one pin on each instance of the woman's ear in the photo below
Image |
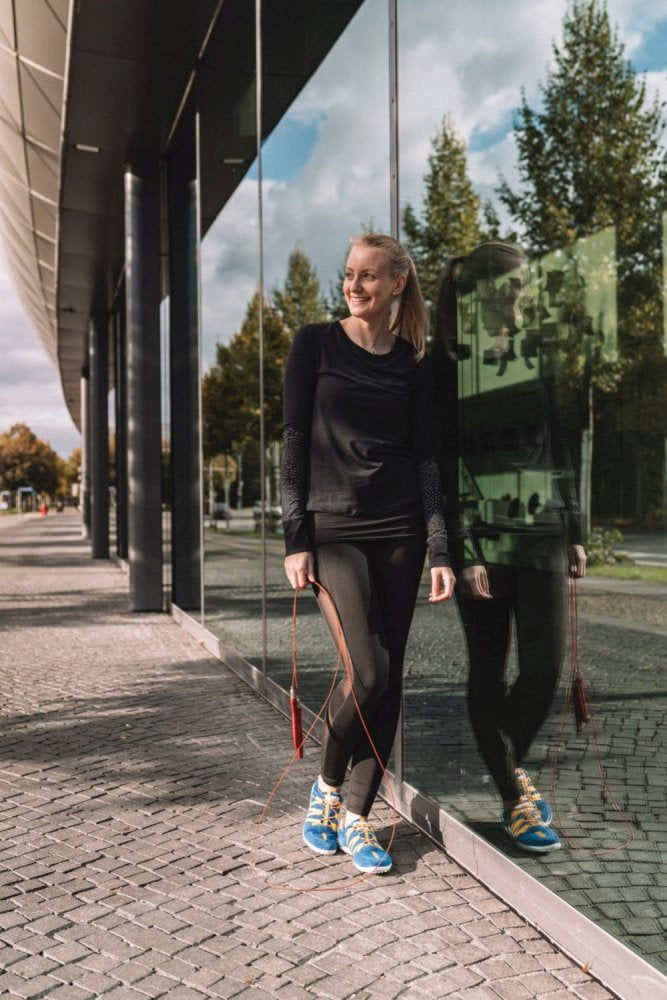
399	284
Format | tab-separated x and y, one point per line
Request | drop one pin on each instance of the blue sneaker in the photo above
359	841
527	788
525	827
320	831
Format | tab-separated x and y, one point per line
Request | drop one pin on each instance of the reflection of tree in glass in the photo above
450	218
300	301
230	389
592	158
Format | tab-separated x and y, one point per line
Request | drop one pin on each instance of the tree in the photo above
590	158
449	222
231	391
336	304
25	460
68	472
300	301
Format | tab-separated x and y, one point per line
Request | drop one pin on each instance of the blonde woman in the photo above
361	505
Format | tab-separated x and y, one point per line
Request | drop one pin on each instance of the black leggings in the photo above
506	721
374	587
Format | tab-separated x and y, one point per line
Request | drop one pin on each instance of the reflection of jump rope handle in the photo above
582	712
297	729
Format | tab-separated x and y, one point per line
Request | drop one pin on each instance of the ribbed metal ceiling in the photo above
33	43
88	86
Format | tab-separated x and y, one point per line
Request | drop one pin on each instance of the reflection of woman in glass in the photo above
360	501
514	521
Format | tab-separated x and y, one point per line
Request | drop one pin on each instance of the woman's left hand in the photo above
577	560
442	584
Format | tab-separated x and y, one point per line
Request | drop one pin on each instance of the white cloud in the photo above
30	390
469	61
468	64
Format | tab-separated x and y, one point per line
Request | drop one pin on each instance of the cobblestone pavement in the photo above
613	865
132	769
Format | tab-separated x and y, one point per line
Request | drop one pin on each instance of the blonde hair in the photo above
412	316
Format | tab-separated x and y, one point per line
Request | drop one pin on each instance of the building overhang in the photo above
89	87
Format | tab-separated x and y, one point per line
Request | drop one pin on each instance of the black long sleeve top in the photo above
513	429
357	436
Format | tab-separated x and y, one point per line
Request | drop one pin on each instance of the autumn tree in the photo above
590	157
25	460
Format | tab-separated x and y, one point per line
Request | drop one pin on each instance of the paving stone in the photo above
129	794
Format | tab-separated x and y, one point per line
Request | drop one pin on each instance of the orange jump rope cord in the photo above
344	656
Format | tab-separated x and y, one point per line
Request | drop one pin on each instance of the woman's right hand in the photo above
300	569
475	582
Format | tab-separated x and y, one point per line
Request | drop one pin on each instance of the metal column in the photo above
186	511
98	365
84	484
142	298
120	373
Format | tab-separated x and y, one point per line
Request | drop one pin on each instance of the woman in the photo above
361	502
514	517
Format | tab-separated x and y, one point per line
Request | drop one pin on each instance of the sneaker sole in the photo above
533	850
380	869
318	850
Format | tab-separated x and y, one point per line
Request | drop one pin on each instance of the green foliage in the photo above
230	390
600	546
336	304
231	387
449	222
631	571
594	156
25	460
300	301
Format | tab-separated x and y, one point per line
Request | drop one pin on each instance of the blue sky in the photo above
325	165
286	150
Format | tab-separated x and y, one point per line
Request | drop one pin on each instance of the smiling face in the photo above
368	285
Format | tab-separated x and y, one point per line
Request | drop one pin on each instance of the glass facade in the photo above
551	413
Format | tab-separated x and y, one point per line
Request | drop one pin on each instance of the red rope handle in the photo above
299	740
576	697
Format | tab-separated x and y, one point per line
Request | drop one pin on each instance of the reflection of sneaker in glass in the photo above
320	831
527	788
359	841
525	827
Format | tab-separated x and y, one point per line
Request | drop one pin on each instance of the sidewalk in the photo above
132	769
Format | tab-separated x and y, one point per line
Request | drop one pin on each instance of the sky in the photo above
325	165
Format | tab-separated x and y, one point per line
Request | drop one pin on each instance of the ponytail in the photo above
412	316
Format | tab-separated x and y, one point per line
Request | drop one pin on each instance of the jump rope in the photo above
299	739
576	701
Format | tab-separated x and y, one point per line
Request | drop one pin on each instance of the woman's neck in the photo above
373	336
